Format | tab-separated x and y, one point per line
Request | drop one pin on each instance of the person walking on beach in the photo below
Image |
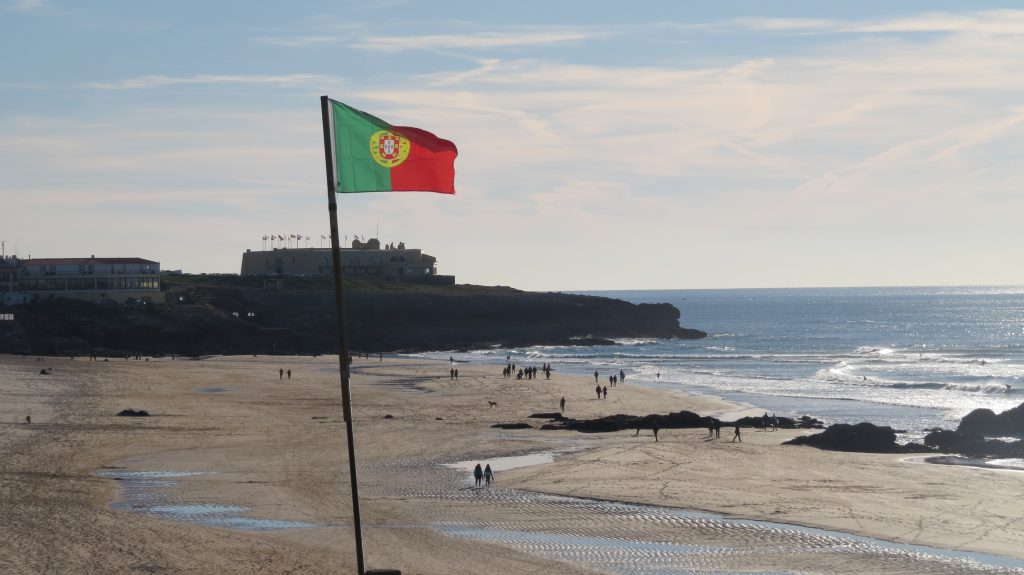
622	376
718	428
598	389
736	434
654	428
488	474
595	377
561	404
289	374
280	373
606	392
451	373
764	421
456	375
775	422
478	474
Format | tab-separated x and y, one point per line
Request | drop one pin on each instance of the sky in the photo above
653	145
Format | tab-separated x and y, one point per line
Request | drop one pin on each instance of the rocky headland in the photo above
207	315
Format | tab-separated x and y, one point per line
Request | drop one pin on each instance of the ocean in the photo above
913	358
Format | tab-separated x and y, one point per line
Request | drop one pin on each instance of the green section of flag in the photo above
354	167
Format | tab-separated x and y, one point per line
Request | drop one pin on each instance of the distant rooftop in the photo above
91	259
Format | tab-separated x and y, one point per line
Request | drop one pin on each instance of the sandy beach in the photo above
231	436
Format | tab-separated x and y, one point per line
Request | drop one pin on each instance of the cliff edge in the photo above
234	315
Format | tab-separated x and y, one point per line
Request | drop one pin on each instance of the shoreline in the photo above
971	462
276	447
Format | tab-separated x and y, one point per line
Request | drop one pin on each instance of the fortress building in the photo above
390	262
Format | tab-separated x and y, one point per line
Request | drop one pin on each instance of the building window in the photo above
79	284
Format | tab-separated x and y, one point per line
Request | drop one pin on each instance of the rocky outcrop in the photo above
231	315
969	439
519	425
804	422
973	435
862	437
972	445
985	422
546	415
675	420
620	422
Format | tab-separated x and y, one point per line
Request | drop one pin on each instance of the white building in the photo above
99	280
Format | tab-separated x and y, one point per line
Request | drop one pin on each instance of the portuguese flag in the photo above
371	155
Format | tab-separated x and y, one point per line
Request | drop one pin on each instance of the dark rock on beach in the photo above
549	415
973	436
972	445
805	422
512	426
133	413
675	420
863	437
620	422
988	423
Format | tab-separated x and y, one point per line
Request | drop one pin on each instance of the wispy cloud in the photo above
484	40
983	22
26	5
349	34
785	24
158	81
987	22
299	41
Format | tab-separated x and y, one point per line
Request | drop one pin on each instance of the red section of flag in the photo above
430	165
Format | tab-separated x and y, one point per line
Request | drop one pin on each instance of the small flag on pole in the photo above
371	155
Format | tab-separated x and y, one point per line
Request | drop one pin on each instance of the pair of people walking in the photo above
483	474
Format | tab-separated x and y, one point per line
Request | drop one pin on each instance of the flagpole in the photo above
339	303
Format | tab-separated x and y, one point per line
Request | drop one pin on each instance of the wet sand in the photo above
268	449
